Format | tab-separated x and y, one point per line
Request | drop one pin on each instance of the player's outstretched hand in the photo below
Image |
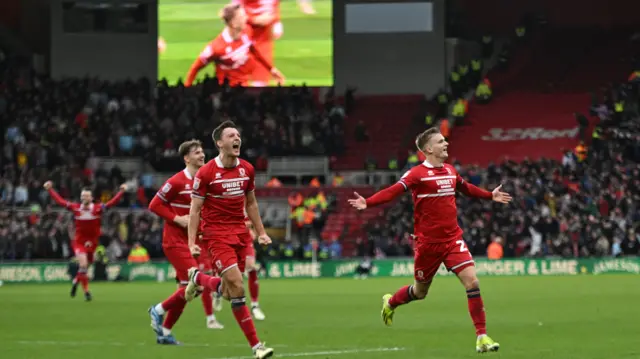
278	76
501	197
48	185
195	250
124	187
359	202
264	239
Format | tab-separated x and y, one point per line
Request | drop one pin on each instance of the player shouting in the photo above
231	52
172	203
222	190
438	238
87	215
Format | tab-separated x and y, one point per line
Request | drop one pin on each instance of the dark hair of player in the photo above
217	132
186	147
424	137
86	189
229	12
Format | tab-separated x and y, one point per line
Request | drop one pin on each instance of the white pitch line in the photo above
325	352
120	344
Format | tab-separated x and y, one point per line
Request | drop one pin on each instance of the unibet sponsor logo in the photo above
616	265
532	133
232	185
20	274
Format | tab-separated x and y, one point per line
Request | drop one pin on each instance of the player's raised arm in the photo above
56	196
472	191
113	201
386	195
263	61
207	55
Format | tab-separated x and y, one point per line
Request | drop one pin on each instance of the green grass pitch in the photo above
584	317
304	53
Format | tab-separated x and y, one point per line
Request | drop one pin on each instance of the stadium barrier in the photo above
40	272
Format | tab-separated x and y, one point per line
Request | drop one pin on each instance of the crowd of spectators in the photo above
568	208
51	129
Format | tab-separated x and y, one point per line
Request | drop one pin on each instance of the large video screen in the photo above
297	40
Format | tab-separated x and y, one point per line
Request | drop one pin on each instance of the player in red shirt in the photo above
231	50
222	190
87	215
172	203
264	20
438	238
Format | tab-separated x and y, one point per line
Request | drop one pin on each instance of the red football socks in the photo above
476	310
208	281
253	286
403	296
176	300
173	315
207	301
243	317
83	279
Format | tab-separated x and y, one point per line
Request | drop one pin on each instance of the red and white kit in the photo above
88	220
263	35
175	196
438	238
224	232
235	59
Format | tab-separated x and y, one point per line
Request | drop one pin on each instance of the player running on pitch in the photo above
438	238
231	52
222	190
87	215
172	203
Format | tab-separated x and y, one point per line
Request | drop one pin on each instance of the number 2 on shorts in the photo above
463	247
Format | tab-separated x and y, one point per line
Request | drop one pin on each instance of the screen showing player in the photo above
295	36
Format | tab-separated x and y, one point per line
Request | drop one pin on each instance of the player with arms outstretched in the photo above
222	190
438	238
87	215
233	52
172	203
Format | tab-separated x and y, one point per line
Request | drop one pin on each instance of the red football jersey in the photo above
177	192
433	189
223	190
87	219
232	57
259	7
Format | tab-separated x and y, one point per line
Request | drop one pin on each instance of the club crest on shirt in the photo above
196	183
187	186
242	173
430	173
448	170
166	188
